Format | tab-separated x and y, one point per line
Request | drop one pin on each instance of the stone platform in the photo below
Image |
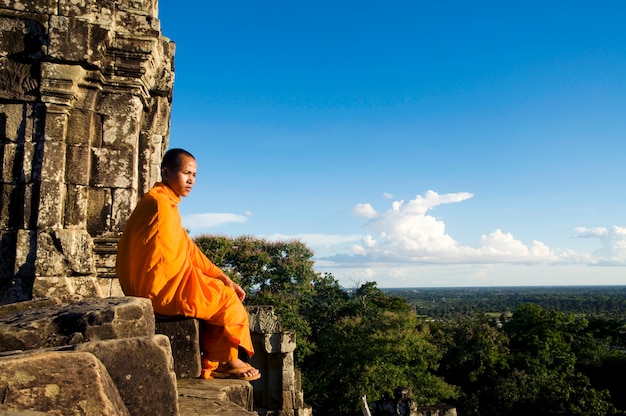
108	357
197	397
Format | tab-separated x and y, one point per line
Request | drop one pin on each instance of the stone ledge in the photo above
199	397
184	336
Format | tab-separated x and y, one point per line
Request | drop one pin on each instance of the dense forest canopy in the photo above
500	351
444	303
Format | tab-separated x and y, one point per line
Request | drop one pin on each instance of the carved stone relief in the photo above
85	97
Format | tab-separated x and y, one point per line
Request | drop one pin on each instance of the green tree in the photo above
544	377
376	345
326	303
259	265
529	366
601	352
476	354
279	274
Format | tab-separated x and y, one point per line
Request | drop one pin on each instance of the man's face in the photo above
181	181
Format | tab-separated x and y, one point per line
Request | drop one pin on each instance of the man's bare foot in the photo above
236	369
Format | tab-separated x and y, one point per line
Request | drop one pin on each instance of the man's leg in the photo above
220	355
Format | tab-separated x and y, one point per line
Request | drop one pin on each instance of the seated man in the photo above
157	259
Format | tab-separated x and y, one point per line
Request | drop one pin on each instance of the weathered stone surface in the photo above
76	207
59	385
142	370
139	364
110	287
263	319
88	320
85	98
21	307
82	286
279	390
198	397
98	212
109	167
123	200
278	342
184	336
79	158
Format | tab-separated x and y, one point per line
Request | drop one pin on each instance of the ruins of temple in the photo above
85	97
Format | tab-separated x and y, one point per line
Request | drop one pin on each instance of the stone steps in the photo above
145	364
198	397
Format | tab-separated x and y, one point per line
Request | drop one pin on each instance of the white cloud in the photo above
407	234
365	210
210	219
368	241
613	241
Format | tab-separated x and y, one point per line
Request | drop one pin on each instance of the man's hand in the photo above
241	294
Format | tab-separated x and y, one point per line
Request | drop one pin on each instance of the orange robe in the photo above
157	259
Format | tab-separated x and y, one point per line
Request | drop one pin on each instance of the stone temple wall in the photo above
85	97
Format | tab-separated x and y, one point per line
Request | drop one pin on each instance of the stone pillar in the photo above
85	97
279	391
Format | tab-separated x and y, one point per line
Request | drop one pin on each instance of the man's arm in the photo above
241	294
210	269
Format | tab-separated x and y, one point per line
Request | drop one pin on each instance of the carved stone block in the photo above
14	31
48	200
109	286
25	250
15	119
139	365
79	158
184	336
122	115
84	321
53	164
124	201
69	39
81	286
76	206
99	211
51	382
83	125
55	126
110	167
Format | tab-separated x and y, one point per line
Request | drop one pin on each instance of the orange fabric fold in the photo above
157	259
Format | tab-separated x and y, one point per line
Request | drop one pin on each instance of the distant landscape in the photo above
487	351
446	303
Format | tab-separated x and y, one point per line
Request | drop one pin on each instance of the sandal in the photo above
236	374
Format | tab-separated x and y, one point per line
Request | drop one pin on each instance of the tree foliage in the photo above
530	365
532	360
366	343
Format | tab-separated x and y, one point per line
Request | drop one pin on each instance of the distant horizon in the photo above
501	287
505	287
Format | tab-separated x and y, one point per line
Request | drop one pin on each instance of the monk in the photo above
157	259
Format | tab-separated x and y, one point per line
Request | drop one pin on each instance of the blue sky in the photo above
410	143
